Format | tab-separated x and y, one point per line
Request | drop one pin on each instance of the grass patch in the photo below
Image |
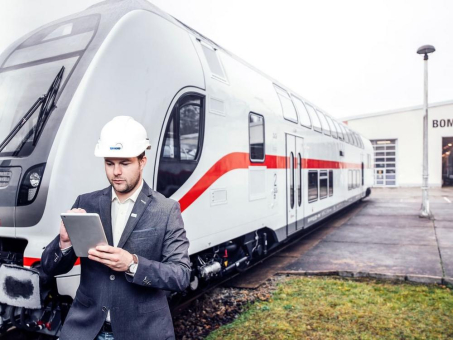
335	308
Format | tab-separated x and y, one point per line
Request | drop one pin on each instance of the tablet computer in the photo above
85	231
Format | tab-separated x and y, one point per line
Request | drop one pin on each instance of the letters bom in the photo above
442	123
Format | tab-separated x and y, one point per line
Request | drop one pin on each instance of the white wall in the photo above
407	127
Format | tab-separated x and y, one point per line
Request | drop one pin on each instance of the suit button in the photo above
104	309
112	277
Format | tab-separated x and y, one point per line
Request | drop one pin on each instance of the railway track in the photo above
186	301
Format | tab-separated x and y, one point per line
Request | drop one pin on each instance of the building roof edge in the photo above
388	112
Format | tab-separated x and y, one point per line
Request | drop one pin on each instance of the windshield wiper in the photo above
47	103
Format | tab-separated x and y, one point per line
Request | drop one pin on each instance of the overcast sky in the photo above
348	57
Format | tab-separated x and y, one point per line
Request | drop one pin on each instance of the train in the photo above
251	162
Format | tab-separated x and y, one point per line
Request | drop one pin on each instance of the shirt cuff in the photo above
66	250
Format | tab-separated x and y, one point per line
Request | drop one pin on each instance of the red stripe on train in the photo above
233	161
320	164
240	160
29	261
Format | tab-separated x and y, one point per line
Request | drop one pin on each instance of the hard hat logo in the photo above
132	134
116	147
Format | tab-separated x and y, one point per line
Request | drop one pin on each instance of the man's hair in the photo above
140	157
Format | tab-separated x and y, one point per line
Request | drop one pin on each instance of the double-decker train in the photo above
250	161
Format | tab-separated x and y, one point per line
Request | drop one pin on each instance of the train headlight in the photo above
30	185
35	178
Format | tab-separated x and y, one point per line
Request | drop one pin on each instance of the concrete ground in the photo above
386	237
382	236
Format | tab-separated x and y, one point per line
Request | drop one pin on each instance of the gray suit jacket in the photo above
138	305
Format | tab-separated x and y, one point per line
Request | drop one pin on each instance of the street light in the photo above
425	212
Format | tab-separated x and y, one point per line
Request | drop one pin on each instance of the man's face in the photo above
124	174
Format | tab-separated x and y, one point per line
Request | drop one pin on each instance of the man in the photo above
122	285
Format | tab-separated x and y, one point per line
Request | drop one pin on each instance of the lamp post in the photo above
425	211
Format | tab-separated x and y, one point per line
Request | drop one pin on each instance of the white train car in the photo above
250	161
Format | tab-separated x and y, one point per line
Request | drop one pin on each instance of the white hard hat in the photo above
122	137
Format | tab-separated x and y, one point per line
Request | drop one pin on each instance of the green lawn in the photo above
334	308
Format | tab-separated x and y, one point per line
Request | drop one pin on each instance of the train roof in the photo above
112	10
129	5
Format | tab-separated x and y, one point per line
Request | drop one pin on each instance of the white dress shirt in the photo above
121	212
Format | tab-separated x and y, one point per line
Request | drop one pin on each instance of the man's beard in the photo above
129	187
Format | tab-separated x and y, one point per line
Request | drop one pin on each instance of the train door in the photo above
300	186
294	190
362	169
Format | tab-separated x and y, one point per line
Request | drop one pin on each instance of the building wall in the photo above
407	127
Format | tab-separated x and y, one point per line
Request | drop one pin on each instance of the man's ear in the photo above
143	162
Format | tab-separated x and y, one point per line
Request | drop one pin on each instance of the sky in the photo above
349	57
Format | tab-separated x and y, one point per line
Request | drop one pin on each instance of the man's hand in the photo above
115	258
64	238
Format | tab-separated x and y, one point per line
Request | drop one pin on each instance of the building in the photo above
397	137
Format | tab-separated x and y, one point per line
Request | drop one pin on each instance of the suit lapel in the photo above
105	208
142	202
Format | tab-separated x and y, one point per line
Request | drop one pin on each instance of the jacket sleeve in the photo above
53	261
173	273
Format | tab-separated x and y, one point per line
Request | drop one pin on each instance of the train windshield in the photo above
28	73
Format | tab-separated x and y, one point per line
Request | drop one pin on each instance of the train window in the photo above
332	127
323	184
351	136
291	180
170	144
256	137
29	70
349	179
304	116
345	134
214	63
356	142
182	144
356	139
324	123
314	118
340	132
351	140
357	181
289	112
189	128
56	42
330	182
299	188
359	138
312	186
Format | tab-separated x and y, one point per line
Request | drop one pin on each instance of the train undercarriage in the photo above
207	267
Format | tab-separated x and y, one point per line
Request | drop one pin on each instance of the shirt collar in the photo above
132	197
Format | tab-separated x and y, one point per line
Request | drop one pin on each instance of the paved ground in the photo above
386	236
381	236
